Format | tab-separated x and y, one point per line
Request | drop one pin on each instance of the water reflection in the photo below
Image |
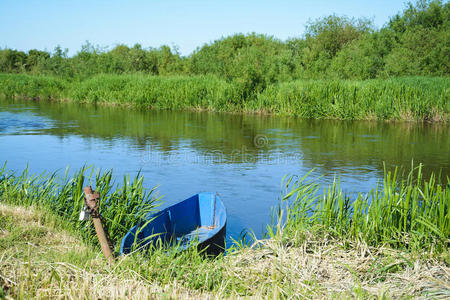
243	157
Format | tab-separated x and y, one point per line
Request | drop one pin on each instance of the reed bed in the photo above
175	92
409	99
407	213
33	87
412	98
121	207
392	242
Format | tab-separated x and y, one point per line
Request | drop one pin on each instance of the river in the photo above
242	157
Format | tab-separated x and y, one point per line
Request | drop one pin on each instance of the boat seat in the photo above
200	233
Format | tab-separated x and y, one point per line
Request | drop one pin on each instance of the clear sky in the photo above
44	24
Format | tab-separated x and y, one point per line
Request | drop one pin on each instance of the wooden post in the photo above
91	200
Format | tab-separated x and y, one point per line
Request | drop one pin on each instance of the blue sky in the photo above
44	24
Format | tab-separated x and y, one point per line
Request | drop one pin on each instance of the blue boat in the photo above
200	219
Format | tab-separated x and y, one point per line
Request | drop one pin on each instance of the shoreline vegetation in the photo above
389	243
392	242
340	68
406	99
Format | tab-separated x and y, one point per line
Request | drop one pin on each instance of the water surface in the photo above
242	157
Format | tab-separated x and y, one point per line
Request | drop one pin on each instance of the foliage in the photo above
420	51
325	38
383	241
401	98
408	98
414	42
251	61
120	208
402	212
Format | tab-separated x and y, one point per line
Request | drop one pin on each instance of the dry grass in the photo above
47	262
328	268
40	259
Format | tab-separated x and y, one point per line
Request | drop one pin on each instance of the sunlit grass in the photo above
121	206
409	99
391	242
401	212
32	87
174	92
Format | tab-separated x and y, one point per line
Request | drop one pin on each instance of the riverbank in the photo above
41	258
405	99
392	242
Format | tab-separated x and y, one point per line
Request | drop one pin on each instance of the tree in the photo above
36	59
12	60
421	39
325	37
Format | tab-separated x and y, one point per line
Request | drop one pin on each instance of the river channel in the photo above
242	157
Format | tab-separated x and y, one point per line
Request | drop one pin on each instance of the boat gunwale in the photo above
214	231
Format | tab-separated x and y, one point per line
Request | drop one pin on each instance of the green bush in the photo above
414	42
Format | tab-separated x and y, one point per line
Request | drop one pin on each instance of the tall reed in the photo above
121	206
410	98
33	87
408	213
174	92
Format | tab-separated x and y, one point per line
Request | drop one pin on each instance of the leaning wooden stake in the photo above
91	201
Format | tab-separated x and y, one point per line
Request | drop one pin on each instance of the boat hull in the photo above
199	220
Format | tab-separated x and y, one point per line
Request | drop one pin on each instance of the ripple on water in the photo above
23	123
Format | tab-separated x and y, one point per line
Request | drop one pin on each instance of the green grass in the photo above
407	213
402	212
121	207
410	98
389	243
41	257
175	92
33	87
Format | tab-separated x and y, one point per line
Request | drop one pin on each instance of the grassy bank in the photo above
392	242
41	258
412	98
402	212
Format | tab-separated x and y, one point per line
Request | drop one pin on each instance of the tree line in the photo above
414	42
